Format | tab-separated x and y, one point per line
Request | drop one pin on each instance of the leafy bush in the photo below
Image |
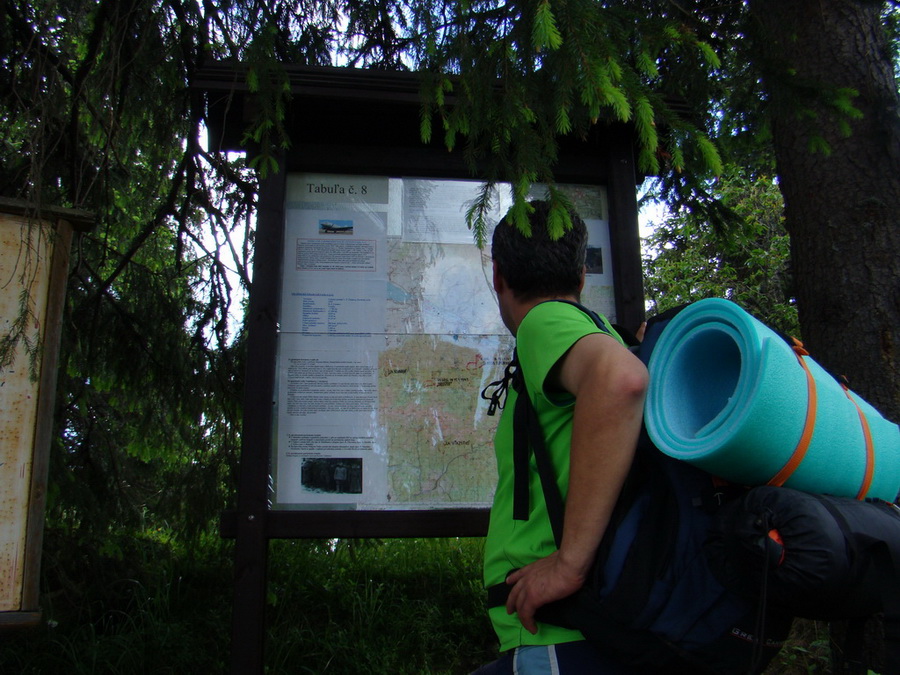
151	604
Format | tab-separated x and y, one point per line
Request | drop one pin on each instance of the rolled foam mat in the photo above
729	395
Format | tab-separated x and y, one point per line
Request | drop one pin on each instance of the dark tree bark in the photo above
842	204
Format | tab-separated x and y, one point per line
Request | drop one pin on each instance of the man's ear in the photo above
499	281
583	277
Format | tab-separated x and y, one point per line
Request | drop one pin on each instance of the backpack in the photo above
651	599
696	574
818	557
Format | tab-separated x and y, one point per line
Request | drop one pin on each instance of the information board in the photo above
389	331
34	255
24	254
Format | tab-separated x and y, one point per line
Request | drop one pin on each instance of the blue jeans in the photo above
570	658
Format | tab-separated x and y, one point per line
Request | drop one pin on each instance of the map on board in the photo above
438	440
389	333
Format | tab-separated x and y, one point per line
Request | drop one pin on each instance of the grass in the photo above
140	606
151	605
384	606
806	650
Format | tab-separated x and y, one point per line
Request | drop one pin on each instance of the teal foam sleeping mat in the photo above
731	396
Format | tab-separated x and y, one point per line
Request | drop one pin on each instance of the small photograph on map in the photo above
335	226
333	475
594	261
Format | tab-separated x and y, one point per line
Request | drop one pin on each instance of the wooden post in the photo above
624	234
251	545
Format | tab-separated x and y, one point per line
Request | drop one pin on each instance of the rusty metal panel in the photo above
25	265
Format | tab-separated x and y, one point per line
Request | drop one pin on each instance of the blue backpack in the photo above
688	576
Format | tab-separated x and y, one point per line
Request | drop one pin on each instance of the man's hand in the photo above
539	583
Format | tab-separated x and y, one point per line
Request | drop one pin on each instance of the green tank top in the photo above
546	333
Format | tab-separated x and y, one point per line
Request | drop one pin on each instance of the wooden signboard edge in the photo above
30	614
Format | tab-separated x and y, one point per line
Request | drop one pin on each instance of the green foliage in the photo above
545	34
524	73
145	603
374	606
95	99
97	111
689	259
267	79
807	649
476	213
151	603
22	332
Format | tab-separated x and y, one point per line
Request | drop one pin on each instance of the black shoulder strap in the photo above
529	437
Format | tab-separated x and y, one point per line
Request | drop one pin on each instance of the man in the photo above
588	391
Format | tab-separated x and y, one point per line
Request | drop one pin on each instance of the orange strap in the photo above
775	536
870	447
799	453
809	425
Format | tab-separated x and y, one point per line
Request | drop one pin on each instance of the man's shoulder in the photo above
563	317
546	334
559	310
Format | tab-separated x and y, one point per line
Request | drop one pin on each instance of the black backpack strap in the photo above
528	435
521	455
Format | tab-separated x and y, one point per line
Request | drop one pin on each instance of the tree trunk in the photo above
842	200
842	203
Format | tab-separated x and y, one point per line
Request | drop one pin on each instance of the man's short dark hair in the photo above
539	266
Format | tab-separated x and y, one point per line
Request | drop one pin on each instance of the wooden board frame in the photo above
362	122
59	225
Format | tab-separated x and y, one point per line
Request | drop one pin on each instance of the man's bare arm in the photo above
609	384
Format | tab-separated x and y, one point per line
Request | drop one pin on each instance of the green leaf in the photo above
425	126
563	122
476	219
709	54
644	123
818	144
545	33
710	154
615	70
252	80
646	64
648	161
617	100
843	103
450	138
677	160
558	220
519	211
